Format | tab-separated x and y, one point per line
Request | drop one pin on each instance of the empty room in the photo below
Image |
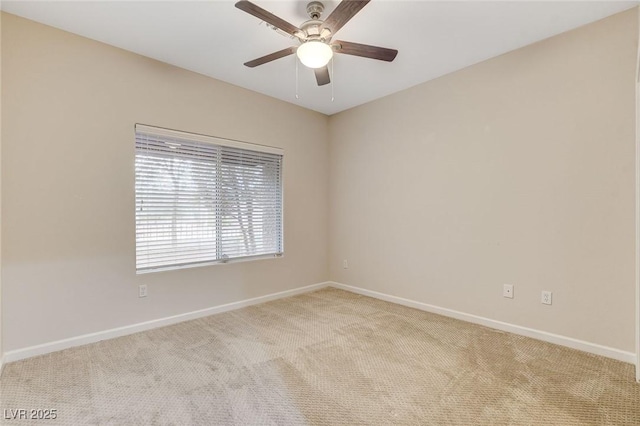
319	212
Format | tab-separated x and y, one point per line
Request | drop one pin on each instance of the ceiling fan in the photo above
316	47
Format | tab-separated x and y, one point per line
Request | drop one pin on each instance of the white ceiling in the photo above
214	38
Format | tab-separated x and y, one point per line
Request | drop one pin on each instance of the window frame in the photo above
220	142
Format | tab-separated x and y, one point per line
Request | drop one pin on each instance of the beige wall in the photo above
516	170
1	350
70	105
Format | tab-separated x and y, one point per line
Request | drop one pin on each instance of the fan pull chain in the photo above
297	96
333	78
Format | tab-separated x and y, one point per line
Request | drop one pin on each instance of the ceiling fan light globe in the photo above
314	54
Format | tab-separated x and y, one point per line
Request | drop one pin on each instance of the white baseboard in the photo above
557	339
1	365
59	345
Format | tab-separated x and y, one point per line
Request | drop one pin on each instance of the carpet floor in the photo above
323	358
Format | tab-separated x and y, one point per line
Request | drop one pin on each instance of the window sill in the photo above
215	262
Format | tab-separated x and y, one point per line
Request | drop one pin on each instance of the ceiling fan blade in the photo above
364	50
271	57
322	76
343	13
267	17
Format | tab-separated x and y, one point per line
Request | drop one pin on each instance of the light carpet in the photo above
328	357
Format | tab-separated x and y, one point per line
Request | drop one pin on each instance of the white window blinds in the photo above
201	199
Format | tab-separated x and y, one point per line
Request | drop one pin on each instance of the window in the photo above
201	200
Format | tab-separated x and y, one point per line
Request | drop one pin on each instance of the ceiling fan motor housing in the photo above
312	30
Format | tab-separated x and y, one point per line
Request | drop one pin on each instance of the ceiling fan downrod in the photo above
315	9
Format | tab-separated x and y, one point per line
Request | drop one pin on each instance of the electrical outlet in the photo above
142	290
345	264
507	291
546	297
